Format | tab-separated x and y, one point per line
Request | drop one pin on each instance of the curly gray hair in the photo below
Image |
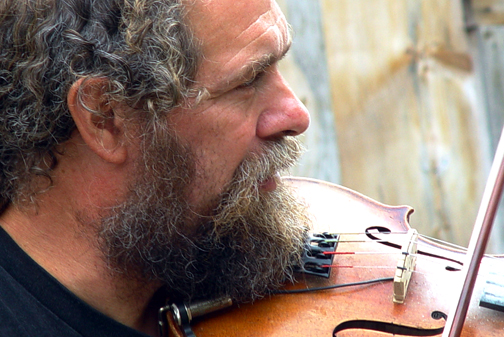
143	47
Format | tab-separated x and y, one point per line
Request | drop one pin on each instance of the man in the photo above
141	143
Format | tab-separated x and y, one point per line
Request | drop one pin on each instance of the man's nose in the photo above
283	114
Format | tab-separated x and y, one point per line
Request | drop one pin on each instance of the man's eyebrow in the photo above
247	72
257	66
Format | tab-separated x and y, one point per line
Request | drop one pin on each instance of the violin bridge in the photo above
405	266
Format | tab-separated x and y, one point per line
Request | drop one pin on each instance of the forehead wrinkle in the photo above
267	56
283	49
249	58
260	19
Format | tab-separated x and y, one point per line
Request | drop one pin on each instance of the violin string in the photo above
446	243
339	240
366	233
380	253
432	258
385	240
337	266
388	240
449	244
359	233
452	245
387	267
443	242
357	241
437	260
333	266
356	253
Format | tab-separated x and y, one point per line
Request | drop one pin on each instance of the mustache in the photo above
274	156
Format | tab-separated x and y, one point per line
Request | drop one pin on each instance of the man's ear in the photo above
99	125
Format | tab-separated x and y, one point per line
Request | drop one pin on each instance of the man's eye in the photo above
252	81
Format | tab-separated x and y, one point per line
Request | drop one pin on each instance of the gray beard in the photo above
246	244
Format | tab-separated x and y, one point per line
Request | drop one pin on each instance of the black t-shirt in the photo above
33	303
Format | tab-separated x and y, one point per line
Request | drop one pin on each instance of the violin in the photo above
389	280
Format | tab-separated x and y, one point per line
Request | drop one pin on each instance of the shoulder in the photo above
23	315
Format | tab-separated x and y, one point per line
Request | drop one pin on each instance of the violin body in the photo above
365	310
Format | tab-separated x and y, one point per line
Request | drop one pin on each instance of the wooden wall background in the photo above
407	102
